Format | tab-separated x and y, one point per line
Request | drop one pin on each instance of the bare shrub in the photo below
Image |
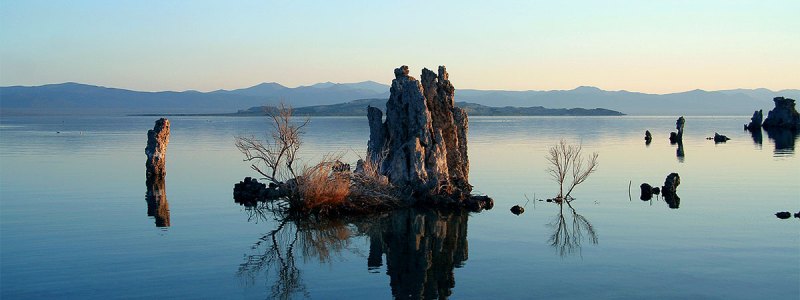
275	158
566	160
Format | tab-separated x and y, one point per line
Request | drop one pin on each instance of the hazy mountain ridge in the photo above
75	98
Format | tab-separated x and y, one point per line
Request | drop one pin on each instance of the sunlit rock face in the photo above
423	142
422	248
156	150
784	115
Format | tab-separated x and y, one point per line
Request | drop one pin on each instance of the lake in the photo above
75	221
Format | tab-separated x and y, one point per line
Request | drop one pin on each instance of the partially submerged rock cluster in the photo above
677	137
668	191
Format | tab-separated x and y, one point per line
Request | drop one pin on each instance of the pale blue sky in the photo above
648	46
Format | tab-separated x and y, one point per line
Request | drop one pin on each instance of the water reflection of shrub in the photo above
568	236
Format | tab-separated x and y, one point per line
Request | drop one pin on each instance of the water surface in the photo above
78	221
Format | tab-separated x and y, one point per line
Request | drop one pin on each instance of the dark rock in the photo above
755	121
718	138
479	203
422	144
669	190
647	192
517	210
156	150
656	190
784	115
783	215
249	191
647	137
797	215
677	137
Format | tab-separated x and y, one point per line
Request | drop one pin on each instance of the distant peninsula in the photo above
359	108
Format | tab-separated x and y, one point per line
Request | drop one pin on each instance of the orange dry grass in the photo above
319	188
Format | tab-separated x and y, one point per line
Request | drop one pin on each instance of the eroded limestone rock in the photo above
755	121
422	145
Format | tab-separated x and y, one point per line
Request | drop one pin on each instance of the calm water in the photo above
74	221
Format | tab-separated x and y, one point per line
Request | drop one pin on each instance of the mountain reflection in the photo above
420	248
569	231
156	198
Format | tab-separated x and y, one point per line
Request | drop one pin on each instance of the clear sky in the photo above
648	46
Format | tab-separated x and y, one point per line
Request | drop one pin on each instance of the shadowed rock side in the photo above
422	143
669	190
157	205
784	115
422	247
677	137
755	121
156	150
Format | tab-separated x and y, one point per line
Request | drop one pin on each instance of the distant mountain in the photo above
75	98
696	102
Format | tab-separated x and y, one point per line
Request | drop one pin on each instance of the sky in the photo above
644	46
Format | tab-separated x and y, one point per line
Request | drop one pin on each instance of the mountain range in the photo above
76	98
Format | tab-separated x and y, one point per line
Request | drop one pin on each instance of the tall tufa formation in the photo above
156	150
422	145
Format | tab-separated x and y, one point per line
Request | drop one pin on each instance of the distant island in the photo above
359	108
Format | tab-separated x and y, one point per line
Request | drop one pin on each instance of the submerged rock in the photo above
517	210
647	192
784	115
156	150
783	215
422	144
718	138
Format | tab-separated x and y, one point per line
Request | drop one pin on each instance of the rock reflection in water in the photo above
421	250
422	247
784	139
569	231
157	205
757	136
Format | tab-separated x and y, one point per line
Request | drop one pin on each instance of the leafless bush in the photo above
275	157
568	160
320	188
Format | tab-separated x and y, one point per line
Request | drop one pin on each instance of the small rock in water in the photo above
517	210
718	138
656	190
647	192
797	215
783	215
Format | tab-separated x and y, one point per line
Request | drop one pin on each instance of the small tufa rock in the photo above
783	215
677	137
669	190
647	137
755	121
517	210
156	150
